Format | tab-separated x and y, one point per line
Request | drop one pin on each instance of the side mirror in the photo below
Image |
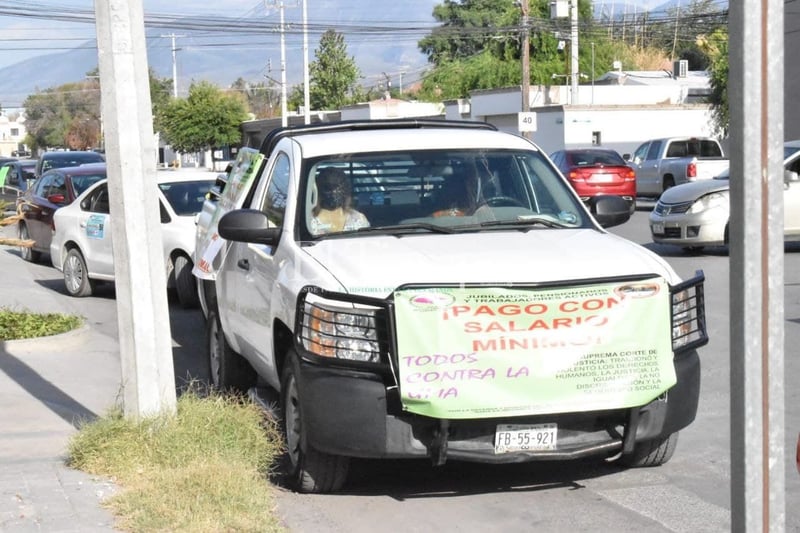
248	225
626	157
790	175
57	199
610	211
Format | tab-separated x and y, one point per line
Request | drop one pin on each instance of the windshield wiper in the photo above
527	221
405	228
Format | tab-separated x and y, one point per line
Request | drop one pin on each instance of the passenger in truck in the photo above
333	211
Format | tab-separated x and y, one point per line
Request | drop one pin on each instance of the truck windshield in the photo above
457	189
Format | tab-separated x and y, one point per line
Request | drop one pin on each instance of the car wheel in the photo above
633	206
27	252
308	470
669	182
185	284
654	452
76	275
227	370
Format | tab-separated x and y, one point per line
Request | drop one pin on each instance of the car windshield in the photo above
789	150
441	191
186	197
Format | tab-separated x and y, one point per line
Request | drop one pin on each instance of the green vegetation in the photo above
207	118
203	470
27	325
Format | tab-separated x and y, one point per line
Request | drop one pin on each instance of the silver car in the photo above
695	215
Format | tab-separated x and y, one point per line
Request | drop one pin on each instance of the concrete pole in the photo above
573	47
284	110
148	379
306	95
526	63
756	93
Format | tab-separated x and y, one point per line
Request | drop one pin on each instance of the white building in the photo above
619	111
12	135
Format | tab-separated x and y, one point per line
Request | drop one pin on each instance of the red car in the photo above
55	188
597	171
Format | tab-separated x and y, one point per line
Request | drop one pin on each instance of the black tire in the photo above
76	275
652	452
185	284
633	206
308	470
27	253
227	370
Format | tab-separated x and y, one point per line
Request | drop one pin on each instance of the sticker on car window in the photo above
96	226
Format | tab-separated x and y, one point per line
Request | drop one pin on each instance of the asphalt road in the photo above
690	493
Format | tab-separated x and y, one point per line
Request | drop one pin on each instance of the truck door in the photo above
251	276
648	174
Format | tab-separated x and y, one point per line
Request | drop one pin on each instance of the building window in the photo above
15	132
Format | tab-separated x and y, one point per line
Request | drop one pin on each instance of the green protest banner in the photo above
239	181
3	173
490	352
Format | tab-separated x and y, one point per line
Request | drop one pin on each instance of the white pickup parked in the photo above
664	163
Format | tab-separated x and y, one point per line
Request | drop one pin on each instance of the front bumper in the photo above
355	413
703	229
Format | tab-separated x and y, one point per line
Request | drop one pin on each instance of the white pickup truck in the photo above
663	163
423	288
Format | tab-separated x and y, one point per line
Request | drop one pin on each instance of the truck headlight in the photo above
688	316
343	333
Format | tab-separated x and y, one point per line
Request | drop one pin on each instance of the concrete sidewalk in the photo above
47	386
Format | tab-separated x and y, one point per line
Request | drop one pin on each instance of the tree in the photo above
69	116
58	117
207	118
478	46
332	74
262	99
715	46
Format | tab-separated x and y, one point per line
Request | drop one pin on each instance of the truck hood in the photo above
689	192
376	265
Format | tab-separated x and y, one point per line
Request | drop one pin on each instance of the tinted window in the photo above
595	157
275	200
84	181
654	150
43	185
186	197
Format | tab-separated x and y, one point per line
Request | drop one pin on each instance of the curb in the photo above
68	339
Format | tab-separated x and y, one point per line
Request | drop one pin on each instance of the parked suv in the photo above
415	289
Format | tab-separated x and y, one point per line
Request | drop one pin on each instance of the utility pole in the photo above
174	64
306	95
145	341
573	47
526	63
284	109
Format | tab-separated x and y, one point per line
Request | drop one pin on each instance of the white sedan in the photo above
695	215
82	249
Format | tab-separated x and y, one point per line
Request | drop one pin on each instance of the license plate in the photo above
602	178
658	229
515	437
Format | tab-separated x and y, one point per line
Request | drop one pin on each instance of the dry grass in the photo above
204	470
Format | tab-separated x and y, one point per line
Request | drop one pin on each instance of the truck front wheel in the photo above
227	370
654	452
308	469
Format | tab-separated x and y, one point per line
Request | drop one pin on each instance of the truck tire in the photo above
27	252
76	275
227	370
185	284
308	470
654	452
669	182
